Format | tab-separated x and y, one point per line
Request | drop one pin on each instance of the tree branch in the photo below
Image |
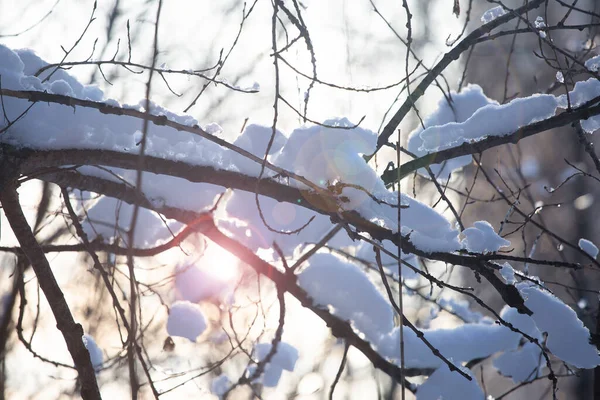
448	58
584	112
285	193
71	331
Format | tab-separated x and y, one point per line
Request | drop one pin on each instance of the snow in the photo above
593	64
159	189
463	343
446	385
591	124
186	320
245	224
10	61
64	127
581	93
195	284
559	77
325	156
508	273
567	340
539	22
463	105
270	375
285	356
370	312
96	355
482	238
522	322
461	308
519	362
492	14
371	315
255	139
220	385
490	120
284	359
322	154
589	247
213	128
61	87
104	211
428	230
522	364
474	117
364	251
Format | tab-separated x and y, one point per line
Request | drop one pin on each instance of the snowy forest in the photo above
299	199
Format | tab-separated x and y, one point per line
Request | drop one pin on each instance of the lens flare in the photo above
219	263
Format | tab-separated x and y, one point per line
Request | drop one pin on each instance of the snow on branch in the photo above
194	182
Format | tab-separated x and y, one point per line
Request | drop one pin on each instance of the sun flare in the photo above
220	263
